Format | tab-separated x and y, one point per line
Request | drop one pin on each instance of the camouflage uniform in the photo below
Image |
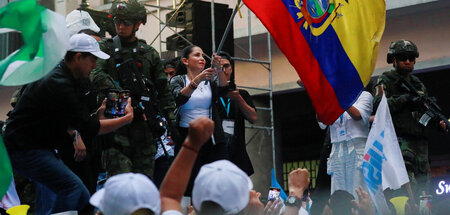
132	148
405	116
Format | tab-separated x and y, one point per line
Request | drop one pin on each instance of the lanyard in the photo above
341	118
227	107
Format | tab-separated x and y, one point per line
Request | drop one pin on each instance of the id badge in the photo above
340	134
228	126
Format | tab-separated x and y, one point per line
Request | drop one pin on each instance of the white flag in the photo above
45	38
383	165
10	199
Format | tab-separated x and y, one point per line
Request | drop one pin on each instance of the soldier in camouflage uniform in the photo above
406	111
132	148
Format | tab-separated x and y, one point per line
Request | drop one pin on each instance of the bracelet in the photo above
193	82
190	148
192	86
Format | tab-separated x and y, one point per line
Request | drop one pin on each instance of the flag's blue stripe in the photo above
336	66
333	60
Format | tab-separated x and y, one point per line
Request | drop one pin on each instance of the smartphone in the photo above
274	193
116	101
123	101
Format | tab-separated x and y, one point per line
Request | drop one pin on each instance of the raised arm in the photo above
242	98
176	180
298	181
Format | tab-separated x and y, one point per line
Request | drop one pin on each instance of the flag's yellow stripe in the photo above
360	29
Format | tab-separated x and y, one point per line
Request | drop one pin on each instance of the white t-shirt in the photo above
346	128
198	104
172	212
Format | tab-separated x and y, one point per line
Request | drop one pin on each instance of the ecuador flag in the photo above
332	44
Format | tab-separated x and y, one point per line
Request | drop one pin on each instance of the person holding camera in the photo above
136	67
43	116
195	92
234	108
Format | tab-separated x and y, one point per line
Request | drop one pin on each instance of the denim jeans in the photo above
45	199
44	167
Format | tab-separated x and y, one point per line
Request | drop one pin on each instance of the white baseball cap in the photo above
78	20
86	43
224	183
125	193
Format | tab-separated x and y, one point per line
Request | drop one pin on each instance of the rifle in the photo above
432	110
142	92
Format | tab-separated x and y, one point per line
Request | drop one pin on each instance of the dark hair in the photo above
70	54
171	63
341	202
211	208
89	32
227	56
181	68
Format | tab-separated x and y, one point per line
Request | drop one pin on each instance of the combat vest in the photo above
406	120
130	67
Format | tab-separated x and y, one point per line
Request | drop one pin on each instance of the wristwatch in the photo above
293	201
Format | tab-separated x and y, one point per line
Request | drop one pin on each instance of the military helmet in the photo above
129	9
401	47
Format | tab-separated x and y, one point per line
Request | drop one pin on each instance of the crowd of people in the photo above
182	132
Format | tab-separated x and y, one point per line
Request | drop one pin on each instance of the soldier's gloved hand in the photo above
418	101
406	98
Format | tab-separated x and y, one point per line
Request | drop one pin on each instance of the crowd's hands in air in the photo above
364	205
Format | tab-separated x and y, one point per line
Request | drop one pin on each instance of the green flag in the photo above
45	37
6	173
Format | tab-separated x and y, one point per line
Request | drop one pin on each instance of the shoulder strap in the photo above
117	44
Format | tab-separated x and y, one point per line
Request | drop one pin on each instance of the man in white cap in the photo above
221	188
42	117
127	193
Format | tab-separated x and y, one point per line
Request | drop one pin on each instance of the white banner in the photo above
383	165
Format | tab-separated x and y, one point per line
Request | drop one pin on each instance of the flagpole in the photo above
84	4
227	29
213	29
410	193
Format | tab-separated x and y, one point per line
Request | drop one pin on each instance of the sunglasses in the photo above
126	22
226	66
406	57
